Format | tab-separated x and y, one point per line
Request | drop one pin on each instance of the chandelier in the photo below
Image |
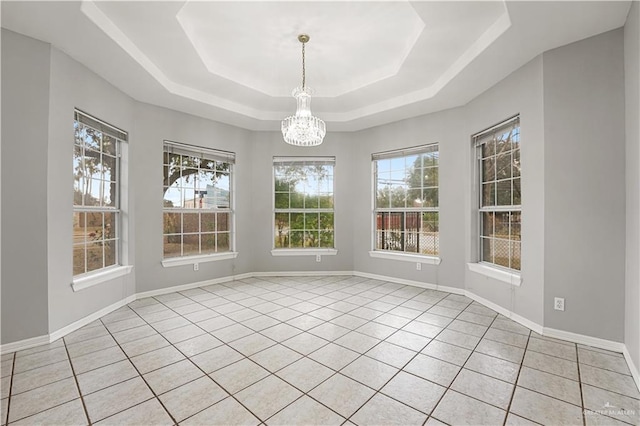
303	129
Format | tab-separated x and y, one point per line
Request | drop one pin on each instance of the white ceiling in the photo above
369	63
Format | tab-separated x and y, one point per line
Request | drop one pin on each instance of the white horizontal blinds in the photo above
99	125
405	152
490	134
198	151
304	161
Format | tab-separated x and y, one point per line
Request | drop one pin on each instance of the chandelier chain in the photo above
304	76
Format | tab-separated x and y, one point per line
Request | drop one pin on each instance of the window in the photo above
198	200
498	154
406	201
96	194
303	201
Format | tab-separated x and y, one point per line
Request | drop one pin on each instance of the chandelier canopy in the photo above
303	129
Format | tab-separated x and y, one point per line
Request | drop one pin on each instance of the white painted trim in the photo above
584	340
505	312
301	273
304	252
192	260
420	284
632	366
495	273
80	283
21	345
197	284
405	257
89	318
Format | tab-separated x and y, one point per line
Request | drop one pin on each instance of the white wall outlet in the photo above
196	266
418	266
558	304
318	258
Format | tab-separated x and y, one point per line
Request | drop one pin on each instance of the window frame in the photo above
118	268
210	154
303	251
407	256
482	265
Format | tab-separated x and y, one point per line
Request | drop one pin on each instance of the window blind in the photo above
100	125
405	152
489	134
198	151
304	161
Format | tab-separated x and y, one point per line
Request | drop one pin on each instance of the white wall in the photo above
25	110
632	108
585	186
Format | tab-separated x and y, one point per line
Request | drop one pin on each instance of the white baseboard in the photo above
635	372
506	312
413	283
301	273
582	339
24	344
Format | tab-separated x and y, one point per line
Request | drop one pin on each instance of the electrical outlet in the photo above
318	258
196	266
558	304
418	266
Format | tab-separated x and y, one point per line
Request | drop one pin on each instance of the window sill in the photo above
495	273
406	257
192	260
90	280
304	252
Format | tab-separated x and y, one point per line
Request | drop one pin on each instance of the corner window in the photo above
96	194
499	189
197	192
406	200
303	216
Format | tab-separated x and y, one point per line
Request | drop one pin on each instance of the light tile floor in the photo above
314	350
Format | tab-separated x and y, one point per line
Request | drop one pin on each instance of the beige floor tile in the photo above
135	333
231	333
216	358
227	412
305	411
268	396
334	356
201	315
602	360
106	376
370	372
276	357
551	364
611	404
348	321
376	330
69	413
281	332
150	412
197	345
596	419
170	324
544	409
126	324
284	314
243	315
507	337
342	394
215	323
144	345
458	409
468	328
40	376
408	340
189	399
382	410
513	420
447	352
418	393
423	329
445	312
39	359
433	319
548	347
502	323
432	369
392	320
391	354
172	376
492	366
357	342
500	350
305	374
40	348
366	313
476	308
485	388
252	344
305	343
260	323
6	368
329	331
116	398
475	318
235	377
98	359
40	399
551	385
183	333
85	333
156	359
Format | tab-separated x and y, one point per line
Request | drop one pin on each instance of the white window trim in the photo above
81	282
192	260
485	269
303	252
405	257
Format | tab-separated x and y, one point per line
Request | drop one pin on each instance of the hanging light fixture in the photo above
303	129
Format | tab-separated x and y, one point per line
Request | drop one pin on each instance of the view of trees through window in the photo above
197	211
95	196
303	200
406	204
500	195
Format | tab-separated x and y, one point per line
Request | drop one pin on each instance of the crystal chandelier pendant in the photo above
303	129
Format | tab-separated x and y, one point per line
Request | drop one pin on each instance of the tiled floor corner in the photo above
336	350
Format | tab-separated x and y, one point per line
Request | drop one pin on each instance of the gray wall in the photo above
632	109
266	145
585	186
25	116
